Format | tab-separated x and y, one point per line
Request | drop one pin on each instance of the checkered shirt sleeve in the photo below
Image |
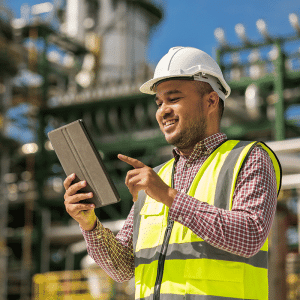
114	254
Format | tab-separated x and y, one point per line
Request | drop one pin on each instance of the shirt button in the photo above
188	165
180	218
182	191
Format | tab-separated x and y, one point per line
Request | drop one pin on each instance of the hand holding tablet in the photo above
78	154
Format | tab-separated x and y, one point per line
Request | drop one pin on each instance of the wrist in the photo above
170	197
89	226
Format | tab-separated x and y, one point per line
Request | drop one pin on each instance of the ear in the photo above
213	102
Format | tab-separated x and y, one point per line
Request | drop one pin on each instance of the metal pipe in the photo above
286	146
45	240
279	86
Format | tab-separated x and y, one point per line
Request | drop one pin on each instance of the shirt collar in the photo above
204	147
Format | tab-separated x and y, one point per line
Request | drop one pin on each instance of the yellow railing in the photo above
88	284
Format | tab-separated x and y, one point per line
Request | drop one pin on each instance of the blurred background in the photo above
63	60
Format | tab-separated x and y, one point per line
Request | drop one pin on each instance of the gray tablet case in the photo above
78	154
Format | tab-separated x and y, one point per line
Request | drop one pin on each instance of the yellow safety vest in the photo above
172	263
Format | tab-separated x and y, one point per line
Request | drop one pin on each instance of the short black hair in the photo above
221	108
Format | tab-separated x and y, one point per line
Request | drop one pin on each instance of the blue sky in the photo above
192	22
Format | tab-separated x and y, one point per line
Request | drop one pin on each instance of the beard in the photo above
190	136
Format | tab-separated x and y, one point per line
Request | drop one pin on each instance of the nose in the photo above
165	110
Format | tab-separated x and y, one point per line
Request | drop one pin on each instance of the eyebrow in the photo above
169	93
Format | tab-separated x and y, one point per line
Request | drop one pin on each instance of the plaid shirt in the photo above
241	231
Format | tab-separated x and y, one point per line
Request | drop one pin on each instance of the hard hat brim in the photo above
148	86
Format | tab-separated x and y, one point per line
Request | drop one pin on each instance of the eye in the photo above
158	104
175	99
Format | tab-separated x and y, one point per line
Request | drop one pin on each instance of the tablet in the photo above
78	154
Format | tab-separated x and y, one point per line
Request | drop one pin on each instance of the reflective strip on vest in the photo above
194	269
192	297
196	250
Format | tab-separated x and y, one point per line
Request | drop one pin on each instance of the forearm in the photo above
109	253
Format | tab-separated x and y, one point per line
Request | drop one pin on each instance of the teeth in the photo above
169	122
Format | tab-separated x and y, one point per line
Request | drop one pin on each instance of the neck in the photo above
186	152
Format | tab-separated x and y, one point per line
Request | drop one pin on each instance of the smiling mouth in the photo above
169	123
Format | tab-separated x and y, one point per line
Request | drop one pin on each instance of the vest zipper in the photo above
161	260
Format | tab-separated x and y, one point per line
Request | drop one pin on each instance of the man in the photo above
199	225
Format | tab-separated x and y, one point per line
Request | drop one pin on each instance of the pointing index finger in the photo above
131	161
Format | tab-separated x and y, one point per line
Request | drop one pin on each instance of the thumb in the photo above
135	198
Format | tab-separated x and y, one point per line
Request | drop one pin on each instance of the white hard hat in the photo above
188	63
